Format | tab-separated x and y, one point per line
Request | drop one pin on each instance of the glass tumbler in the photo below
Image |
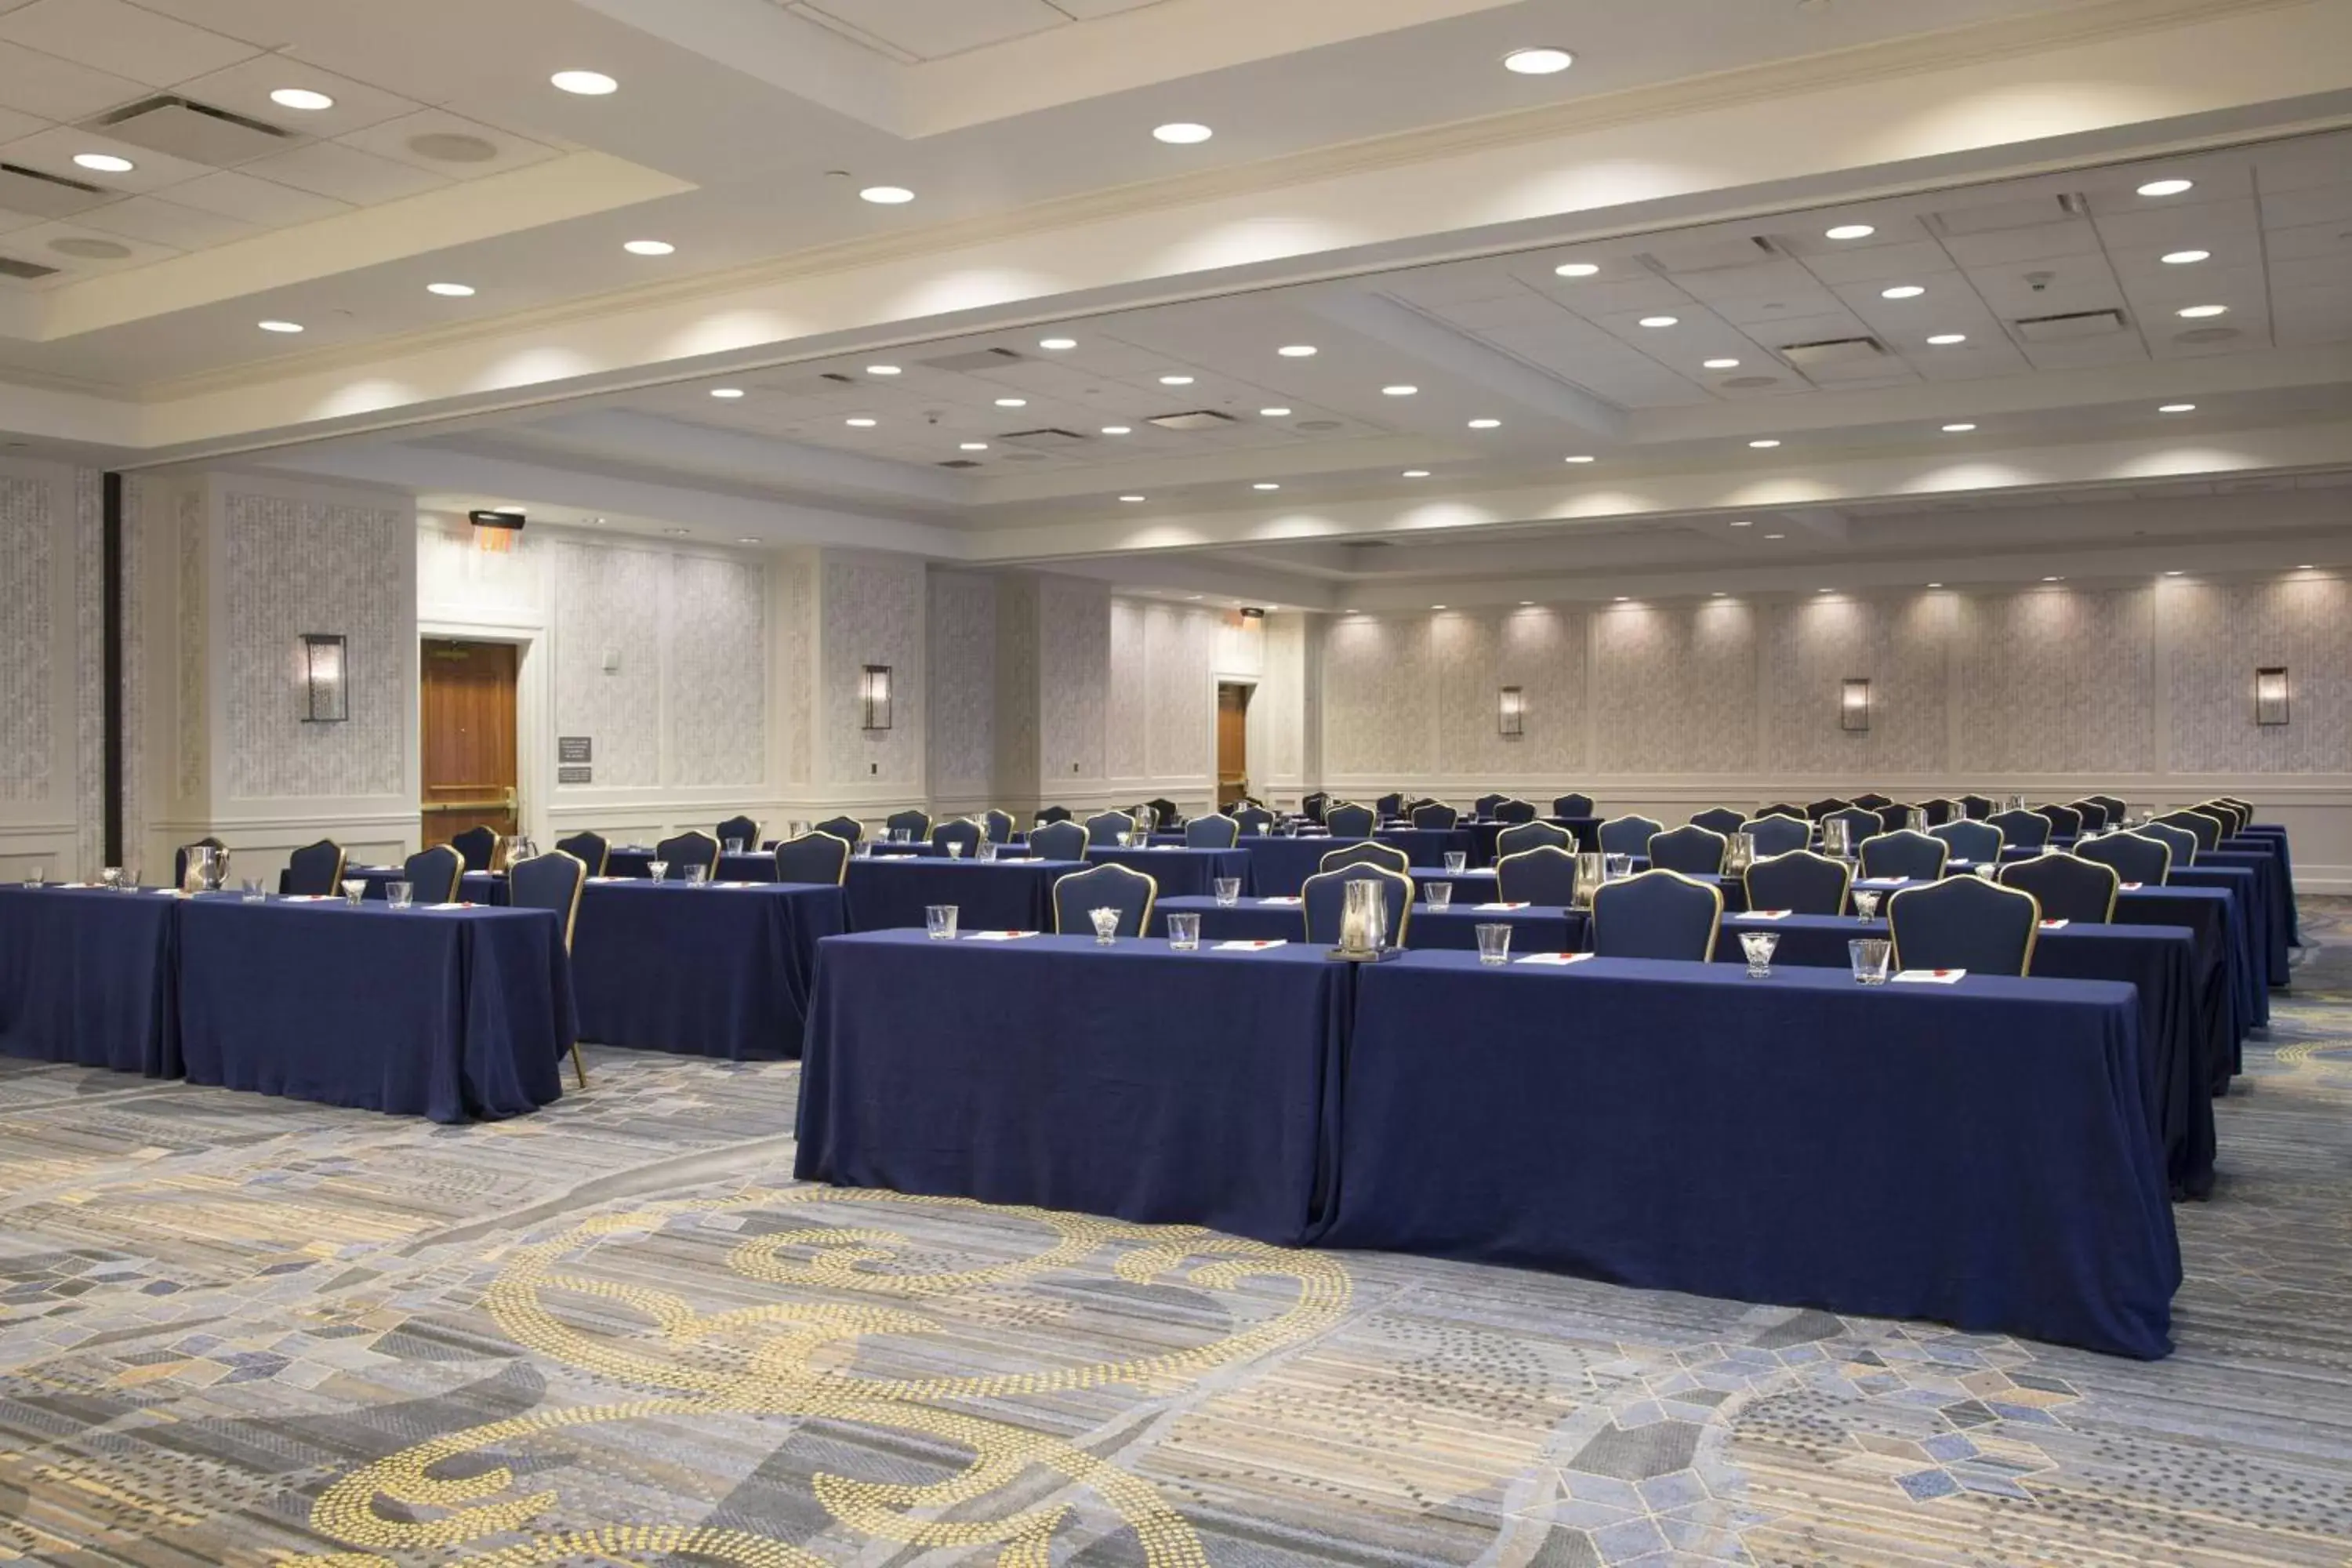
939	920
1439	895
1869	956
660	870
399	895
696	876
1759	946
1184	932
1865	904
354	891
1456	861
955	849
1228	890
1105	926
254	891
1495	943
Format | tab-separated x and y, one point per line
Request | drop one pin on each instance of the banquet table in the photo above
472	887
2159	962
1180	872
998	895
1429	846
1977	1153
456	1015
748	867
89	975
2271	899
1279	867
2272	838
1535	930
2205	913
1128	1080
2250	938
723	971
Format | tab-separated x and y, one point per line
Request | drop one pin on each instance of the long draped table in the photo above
703	972
1454	927
89	975
748	867
1180	872
1000	895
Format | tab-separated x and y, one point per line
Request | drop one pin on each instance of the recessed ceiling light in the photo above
1265	485
1764	446
1719	364
301	97
1743	522
1274	413
2054	579
2199	312
726	392
1182	133
1057	344
2173	573
1825	590
1580	457
861	422
1576	269
2307	566
1175	381
1624	599
1946	340
1957	429
1297	351
1527	603
1399	391
1013	403
1660	321
105	163
1901	292
674	533
1538	62
2186	257
887	196
1717	595
747	539
451	290
1130	497
1416	473
2167	187
1119	429
1934	585
1849	231
279	326
1437	606
2178	408
649	247
1776	536
972	447
587	84
882	370
1485	424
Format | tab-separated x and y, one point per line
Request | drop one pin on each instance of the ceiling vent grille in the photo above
1995	218
1050	440
2069	327
1193	419
1835	354
12	268
959	463
44	196
982	359
196	131
834	375
1676	257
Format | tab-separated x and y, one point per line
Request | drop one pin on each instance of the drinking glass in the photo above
730	847
1869	956
399	895
1456	861
1184	932
795	829
902	835
955	849
1865	904
1617	867
110	878
1439	895
354	891
987	850
696	876
1759	946
1105	926
862	850
1228	890
1987	869
37	876
1495	943
660	869
1257	827
255	893
939	920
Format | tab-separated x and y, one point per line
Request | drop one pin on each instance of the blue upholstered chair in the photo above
1799	881
1164	813
1874	801
2117	808
692	848
2207	829
1545	875
590	850
2245	813
1969	840
1369	853
2022	831
1964	923
1692	850
1052	814
848	829
2065	822
477	846
1252	821
1898	818
1484	807
966	832
1515	811
1719	819
1918	856
2233	820
2067	886
1860	825
1436	815
2182	842
1941	811
431	874
2135	856
813	858
1783	808
1324	896
2093	814
1079	894
552	882
997	826
1211	833
1350	821
315	869
1572	805
1629	835
1821	808
1658	914
1108	828
745	829
1778	834
1059	841
180	858
915	825
1313	807
1530	836
1976	808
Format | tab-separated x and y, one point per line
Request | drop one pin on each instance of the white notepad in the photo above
1554	959
1292	904
997	936
1502	909
1764	915
2055	925
1931	977
1250	946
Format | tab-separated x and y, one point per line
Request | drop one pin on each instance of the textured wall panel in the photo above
1538	650
1181	645
28	530
1278	733
874	613
1813	647
189	538
962	660
797	594
1130	696
2056	680
1018	686
1074	670
2221	634
1673	688
1378	696
608	601
717	696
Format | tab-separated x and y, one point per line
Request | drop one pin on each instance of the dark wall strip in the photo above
111	589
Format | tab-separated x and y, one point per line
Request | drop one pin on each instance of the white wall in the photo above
51	700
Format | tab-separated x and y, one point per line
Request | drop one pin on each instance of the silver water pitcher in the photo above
1364	919
1837	838
207	869
1592	870
1914	820
1739	853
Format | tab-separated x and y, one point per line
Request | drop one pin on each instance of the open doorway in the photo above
1232	742
467	708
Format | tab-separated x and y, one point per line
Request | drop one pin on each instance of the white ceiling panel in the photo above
2317	240
1873	263
161	222
121	39
245	89
53	152
409	140
928	30
12	221
2057	286
345	173
1087	10
2031	243
55	89
255	201
2310	204
40	243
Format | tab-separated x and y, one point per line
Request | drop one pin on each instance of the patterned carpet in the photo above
241	1329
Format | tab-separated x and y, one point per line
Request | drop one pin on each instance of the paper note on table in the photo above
1250	946
2055	925
460	906
1764	915
999	935
1291	902
169	892
2130	888
741	884
1931	976
1502	909
309	897
1554	959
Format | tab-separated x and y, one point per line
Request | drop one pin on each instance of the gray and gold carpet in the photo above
242	1329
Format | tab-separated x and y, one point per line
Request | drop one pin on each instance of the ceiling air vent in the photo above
1677	257
196	131
1994	218
1194	419
12	268
982	359
1835	354
2069	327
1047	440
959	463
837	376
26	190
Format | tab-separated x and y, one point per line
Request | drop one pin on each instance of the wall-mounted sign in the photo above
575	749
575	775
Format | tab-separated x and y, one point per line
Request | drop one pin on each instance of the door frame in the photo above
533	778
1217	772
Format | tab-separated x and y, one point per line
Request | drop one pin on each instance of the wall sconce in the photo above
1853	705
325	695
2270	695
874	690
1511	713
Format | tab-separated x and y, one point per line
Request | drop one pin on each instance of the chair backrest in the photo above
1969	840
1254	820
1964	923
997	826
1435	816
1163	811
2182	842
915	825
2065	822
1799	881
1629	835
2067	886
1783	808
2234	820
1860	825
1544	875
552	882
1691	850
1389	805
1059	841
1976	807
1940	810
477	845
816	856
1821	808
2021	829
963	831
431	874
692	848
1106	828
315	869
745	829
1658	914
1719	819
848	829
1572	805
2207	830
2137	856
1078	895
180	858
1484	807
590	850
1919	856
2093	814
1211	833
1350	821
1532	834
1515	811
1874	801
1779	833
1315	805
1053	814
2117	808
1324	897
1366	854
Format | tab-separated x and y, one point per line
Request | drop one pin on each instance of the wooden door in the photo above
468	717
1233	743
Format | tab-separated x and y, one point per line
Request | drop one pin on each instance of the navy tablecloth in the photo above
455	1015
2249	934
2276	925
747	867
1180	873
1977	1153
472	887
1128	1081
1003	895
2204	913
2273	839
89	977
1280	867
1429	846
1254	920
700	972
